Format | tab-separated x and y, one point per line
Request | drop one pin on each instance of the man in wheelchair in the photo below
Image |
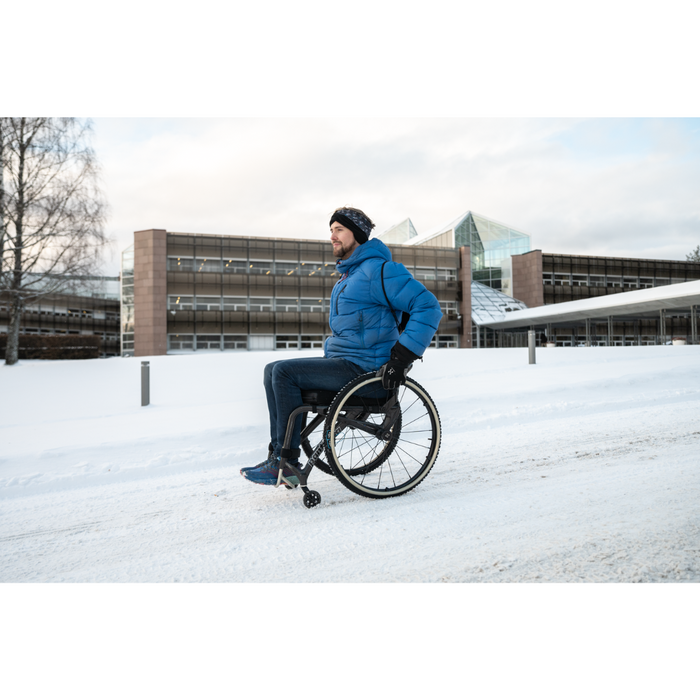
367	303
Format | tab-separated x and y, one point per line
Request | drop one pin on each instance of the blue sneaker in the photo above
268	472
271	460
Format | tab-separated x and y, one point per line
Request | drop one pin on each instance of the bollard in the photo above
145	384
531	346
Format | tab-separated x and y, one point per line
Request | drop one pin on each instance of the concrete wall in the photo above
527	278
150	293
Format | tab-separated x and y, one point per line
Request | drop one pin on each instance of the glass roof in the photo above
489	305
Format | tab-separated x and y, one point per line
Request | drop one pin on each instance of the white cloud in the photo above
606	187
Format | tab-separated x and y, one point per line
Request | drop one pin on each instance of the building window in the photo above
260	267
286	304
286	268
237	266
178	303
208	342
177	342
208	303
180	264
312	305
312	268
260	304
444	341
235	342
235	304
330	269
446	273
208	265
425	273
311	342
287	342
449	308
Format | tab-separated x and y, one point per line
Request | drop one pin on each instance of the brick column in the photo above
527	278
465	306
150	293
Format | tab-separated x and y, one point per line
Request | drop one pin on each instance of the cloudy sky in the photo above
604	186
261	118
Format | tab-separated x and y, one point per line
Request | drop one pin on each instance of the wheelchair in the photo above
377	443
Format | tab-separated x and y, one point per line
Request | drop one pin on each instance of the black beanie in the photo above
358	223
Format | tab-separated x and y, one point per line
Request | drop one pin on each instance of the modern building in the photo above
92	308
579	286
186	292
198	292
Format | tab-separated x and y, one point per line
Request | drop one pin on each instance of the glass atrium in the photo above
491	246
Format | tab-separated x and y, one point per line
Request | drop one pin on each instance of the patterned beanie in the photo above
360	225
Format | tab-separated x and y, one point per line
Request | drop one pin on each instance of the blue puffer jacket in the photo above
364	330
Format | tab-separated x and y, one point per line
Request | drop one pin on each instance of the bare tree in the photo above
51	212
694	255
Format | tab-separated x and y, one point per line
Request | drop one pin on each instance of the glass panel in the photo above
235	304
208	303
238	266
260	267
287	342
208	265
286	304
286	268
312	305
180	342
180	264
235	342
425	273
208	342
179	303
311	268
260	304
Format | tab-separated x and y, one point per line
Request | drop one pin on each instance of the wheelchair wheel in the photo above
381	444
312	434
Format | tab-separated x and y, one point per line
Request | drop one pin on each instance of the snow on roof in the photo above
679	296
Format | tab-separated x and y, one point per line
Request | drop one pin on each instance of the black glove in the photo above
394	372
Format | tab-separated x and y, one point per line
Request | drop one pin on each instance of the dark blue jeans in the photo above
284	382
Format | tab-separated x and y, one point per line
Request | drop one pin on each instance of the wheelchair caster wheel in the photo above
312	498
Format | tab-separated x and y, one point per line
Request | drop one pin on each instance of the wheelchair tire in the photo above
381	466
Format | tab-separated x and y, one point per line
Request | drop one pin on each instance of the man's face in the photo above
342	240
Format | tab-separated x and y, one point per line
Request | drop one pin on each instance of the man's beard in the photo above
342	251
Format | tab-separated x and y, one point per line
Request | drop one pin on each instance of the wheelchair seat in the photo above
322	397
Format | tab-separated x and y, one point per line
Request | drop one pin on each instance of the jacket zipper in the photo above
337	299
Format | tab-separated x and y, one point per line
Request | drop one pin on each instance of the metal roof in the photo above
639	301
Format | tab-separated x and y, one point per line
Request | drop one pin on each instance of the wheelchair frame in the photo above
362	433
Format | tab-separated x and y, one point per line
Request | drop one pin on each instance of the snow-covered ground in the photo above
582	467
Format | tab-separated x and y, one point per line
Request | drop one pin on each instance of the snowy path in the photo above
604	488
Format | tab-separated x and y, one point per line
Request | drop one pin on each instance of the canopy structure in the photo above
489	305
684	295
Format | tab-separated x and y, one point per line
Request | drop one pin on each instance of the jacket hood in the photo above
374	248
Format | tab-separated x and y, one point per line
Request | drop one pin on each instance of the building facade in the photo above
93	309
185	292
199	292
541	279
